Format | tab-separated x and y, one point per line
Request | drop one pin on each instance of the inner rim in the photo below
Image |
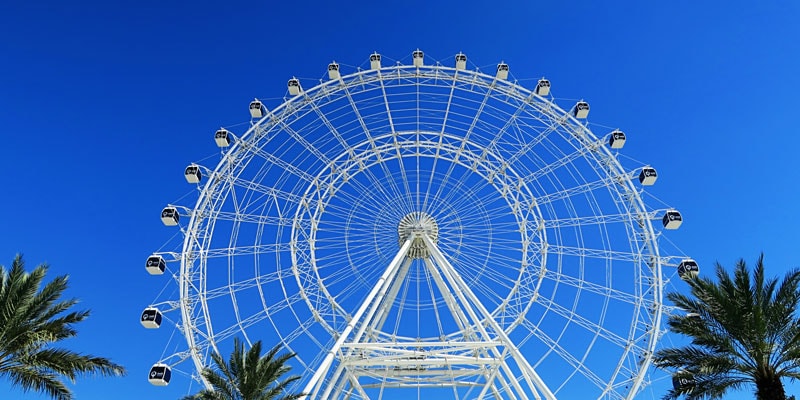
491	180
418	222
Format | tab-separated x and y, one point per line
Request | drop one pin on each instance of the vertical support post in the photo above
397	282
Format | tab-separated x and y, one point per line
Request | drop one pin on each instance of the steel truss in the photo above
543	242
481	356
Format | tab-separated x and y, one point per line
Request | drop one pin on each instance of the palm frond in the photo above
33	319
247	375
744	330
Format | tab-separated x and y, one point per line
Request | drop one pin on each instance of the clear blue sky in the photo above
103	104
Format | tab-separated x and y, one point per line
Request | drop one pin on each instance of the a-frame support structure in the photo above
481	356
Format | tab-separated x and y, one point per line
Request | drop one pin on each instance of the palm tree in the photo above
248	375
32	321
744	332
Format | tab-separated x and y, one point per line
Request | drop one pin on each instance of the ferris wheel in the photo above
423	229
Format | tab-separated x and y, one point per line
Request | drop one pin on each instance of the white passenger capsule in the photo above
672	219
155	264
223	137
257	109
581	110
169	216
418	57
502	71
294	87
682	382
688	269
543	87
192	174
151	318
617	139
375	61
160	374
648	176
461	61
333	71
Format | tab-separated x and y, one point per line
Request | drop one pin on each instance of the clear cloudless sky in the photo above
102	105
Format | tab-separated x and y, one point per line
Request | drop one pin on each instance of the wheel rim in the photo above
513	182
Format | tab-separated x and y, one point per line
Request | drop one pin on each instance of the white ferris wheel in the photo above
421	230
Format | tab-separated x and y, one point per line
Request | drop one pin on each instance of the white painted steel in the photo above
426	229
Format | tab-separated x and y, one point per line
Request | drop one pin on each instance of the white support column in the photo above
355	384
338	380
530	375
373	308
319	376
449	300
489	383
396	284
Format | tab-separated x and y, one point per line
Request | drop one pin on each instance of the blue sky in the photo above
105	104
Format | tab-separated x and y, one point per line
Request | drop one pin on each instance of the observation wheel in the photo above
421	230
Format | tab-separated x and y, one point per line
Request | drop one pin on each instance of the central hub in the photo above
416	223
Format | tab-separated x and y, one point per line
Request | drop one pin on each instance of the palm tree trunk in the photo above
770	388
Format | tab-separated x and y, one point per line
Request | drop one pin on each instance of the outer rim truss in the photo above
196	314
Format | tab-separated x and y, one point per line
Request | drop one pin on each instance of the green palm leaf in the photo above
744	331
32	321
248	376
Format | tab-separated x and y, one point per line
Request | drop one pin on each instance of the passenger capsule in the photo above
418	57
257	109
543	87
169	216
160	375
375	61
223	137
581	110
155	264
151	318
682	381
461	61
294	87
616	139
192	174
672	219
648	176
333	71
502	71
688	269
